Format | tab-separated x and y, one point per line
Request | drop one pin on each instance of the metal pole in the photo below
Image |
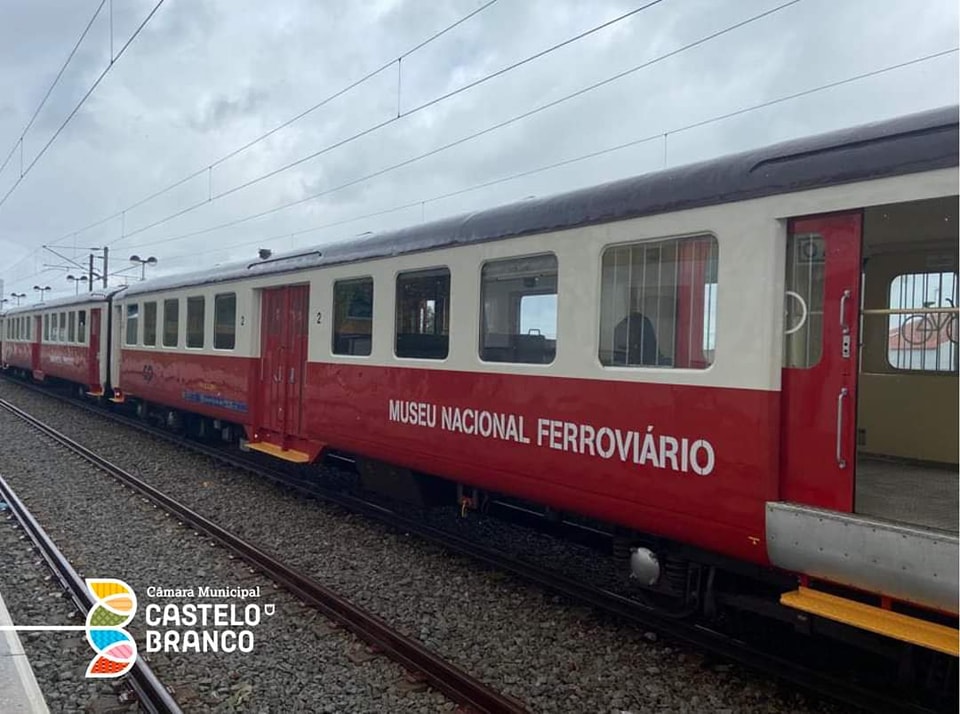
106	251
90	275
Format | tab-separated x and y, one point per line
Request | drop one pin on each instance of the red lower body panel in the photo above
219	387
692	463
68	362
18	354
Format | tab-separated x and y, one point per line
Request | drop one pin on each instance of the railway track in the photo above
440	674
825	684
151	693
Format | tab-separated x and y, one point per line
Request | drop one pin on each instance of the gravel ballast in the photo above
554	656
300	662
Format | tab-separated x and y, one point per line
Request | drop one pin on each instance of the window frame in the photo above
192	299
156	320
396	306
216	299
126	324
650	368
481	327
917	371
333	327
163	329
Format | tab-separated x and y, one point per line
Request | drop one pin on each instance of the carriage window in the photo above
133	321
518	299
46	328
658	304
803	300
171	322
195	307
150	324
225	321
72	327
82	326
924	338
62	336
423	314
353	316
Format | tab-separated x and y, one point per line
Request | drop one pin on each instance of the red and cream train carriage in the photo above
64	340
700	357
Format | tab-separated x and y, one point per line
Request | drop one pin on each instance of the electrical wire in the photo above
323	102
106	70
457	142
376	127
56	79
582	157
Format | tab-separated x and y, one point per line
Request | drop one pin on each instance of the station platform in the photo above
19	693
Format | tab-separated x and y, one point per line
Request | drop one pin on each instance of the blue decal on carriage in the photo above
211	400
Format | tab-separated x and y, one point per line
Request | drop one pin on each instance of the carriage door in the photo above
820	361
93	375
283	356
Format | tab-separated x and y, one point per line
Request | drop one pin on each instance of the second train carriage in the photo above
754	357
64	339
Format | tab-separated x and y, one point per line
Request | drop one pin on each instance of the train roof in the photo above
918	142
96	296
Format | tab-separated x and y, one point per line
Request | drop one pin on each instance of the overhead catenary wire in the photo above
582	157
83	99
364	132
564	162
56	80
456	142
283	125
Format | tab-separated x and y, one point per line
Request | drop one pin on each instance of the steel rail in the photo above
152	695
839	689
439	673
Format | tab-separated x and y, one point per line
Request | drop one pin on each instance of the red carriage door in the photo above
93	374
283	356
297	307
272	393
37	336
820	361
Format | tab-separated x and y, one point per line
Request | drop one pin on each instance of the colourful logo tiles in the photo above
114	606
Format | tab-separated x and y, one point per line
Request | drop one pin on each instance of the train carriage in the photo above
748	360
64	340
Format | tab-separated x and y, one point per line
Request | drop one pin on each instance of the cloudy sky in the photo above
204	78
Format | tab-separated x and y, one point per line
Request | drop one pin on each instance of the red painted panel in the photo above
93	373
548	459
820	402
212	385
69	362
296	355
284	351
18	354
272	409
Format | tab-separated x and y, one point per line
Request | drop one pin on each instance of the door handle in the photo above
843	311
292	372
841	398
278	377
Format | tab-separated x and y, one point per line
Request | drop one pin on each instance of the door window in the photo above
803	300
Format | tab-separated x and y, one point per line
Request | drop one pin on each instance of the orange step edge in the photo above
297	457
874	619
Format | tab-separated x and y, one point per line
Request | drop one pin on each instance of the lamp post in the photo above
144	262
18	296
41	290
76	282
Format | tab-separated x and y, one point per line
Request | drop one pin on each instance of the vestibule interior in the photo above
907	424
